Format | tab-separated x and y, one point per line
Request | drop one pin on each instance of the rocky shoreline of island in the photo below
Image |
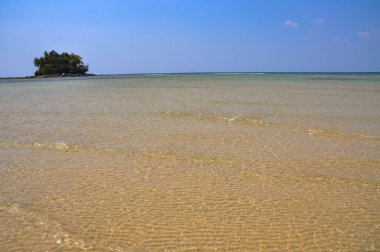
49	76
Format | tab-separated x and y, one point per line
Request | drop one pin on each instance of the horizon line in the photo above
229	72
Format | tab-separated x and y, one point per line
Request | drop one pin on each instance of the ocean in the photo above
273	161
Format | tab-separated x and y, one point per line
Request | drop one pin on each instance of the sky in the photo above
168	36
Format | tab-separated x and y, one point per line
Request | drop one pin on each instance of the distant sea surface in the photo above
269	161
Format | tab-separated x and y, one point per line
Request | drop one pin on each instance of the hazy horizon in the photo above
205	73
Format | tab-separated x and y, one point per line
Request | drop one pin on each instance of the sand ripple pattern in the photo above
154	204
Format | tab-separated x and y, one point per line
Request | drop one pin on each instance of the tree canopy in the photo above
53	63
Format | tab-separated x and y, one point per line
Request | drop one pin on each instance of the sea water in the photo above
191	161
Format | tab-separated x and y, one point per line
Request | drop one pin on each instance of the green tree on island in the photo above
53	63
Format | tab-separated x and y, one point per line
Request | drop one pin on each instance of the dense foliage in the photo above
53	63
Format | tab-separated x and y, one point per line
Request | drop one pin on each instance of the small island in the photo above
53	64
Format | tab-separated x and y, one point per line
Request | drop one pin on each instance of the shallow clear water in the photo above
182	162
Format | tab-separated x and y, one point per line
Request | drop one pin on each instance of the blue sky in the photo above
145	36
